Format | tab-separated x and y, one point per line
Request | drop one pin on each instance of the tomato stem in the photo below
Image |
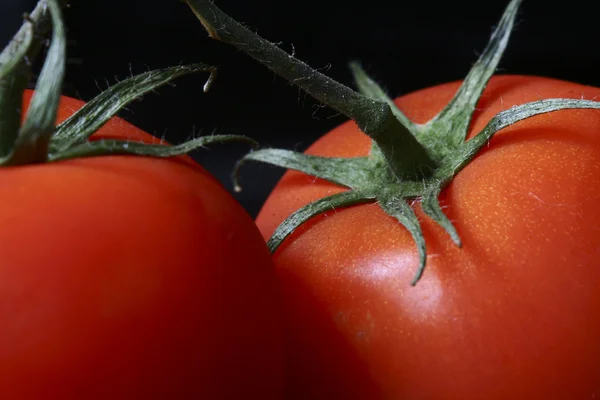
373	116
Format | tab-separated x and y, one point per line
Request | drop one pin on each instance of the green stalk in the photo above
374	117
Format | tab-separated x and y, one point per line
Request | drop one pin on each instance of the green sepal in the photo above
16	52
94	114
32	143
351	173
15	71
451	125
503	119
330	203
395	205
430	205
14	74
111	147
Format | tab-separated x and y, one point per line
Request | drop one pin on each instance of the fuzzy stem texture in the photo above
374	117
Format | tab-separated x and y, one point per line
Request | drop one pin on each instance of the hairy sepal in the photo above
93	115
113	147
15	72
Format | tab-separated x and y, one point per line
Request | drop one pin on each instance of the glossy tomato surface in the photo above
132	278
514	314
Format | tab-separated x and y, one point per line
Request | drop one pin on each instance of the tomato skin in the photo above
514	314
132	278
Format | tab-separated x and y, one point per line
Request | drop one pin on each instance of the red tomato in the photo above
514	314
129	277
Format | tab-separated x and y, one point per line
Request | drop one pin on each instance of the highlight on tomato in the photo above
449	248
126	270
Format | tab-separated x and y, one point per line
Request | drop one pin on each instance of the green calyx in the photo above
38	139
407	160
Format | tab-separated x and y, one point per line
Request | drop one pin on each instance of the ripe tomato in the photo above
129	277
514	314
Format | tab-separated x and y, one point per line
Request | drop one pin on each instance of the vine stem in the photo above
373	116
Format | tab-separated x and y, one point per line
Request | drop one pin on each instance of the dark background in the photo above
404	45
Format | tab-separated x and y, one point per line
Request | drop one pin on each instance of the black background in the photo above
404	45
